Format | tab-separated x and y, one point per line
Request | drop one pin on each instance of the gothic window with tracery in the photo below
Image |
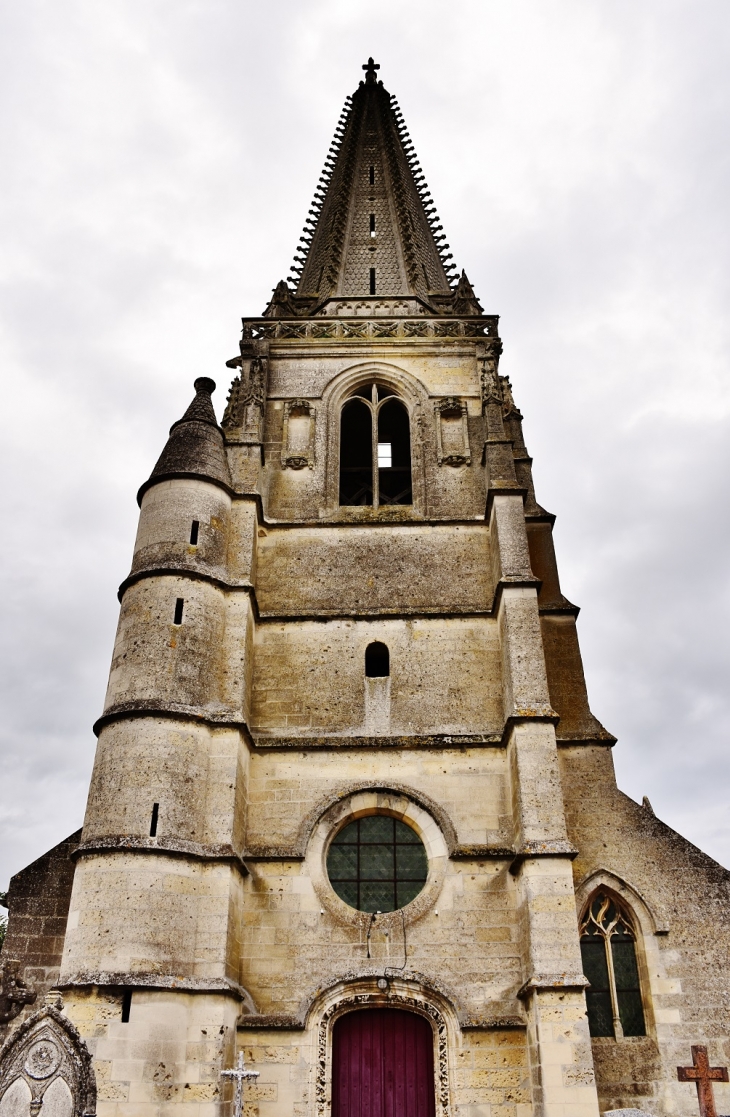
608	949
375	449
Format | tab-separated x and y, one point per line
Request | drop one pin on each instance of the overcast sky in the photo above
159	157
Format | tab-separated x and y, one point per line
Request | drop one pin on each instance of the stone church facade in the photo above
351	815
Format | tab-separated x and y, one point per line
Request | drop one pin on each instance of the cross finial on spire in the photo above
370	69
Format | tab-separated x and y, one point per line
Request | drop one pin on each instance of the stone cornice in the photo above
373	328
503	488
458	853
552	982
563	608
522	716
518	582
146	707
549	847
417	741
178	570
162	846
284	1022
125	980
395	614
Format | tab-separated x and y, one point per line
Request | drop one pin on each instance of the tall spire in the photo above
372	230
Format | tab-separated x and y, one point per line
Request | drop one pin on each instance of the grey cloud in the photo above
160	161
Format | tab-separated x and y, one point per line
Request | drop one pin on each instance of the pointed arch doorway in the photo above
382	1065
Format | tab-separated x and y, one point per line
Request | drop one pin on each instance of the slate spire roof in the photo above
372	229
195	446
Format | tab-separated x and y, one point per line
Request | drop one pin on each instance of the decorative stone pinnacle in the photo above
370	69
204	384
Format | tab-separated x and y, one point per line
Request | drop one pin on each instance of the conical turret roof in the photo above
372	230
195	446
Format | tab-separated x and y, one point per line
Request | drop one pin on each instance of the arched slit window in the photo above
375	449
608	949
377	661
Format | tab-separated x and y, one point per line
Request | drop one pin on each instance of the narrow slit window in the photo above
372	176
126	1005
372	281
179	606
377	660
372	224
153	820
194	533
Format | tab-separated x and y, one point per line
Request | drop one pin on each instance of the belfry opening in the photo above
375	448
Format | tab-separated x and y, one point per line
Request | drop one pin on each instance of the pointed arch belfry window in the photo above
356	453
375	449
608	950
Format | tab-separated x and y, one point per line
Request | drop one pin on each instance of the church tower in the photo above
351	815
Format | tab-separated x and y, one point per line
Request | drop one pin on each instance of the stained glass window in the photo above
607	944
377	863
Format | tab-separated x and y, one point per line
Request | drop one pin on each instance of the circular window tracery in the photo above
377	863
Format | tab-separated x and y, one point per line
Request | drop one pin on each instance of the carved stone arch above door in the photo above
46	1058
408	993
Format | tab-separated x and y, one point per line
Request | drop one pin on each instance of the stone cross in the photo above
370	67
703	1075
240	1073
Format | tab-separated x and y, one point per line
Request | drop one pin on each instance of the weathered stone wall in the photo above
166	516
38	902
289	788
166	1058
310	676
374	569
146	919
195	773
679	899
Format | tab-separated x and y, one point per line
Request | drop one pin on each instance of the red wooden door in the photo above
382	1065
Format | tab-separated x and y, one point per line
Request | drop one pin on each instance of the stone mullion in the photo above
618	1030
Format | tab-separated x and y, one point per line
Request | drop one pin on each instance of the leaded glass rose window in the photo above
377	863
